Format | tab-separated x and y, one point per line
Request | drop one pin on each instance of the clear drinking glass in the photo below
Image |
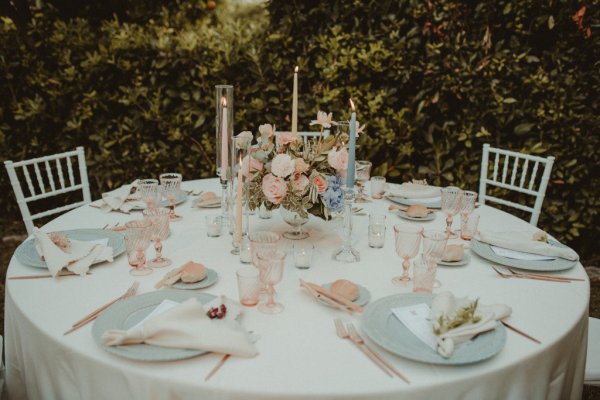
451	203
171	183
137	239
271	272
148	188
159	217
377	187
408	239
363	173
248	281
214	225
423	275
376	230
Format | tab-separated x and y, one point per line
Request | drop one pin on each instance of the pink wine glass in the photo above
408	239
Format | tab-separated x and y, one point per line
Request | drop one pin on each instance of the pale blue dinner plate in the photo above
428	217
558	264
409	202
379	323
128	312
27	254
211	278
198	203
364	296
178	200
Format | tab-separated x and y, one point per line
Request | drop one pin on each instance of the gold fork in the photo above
343	334
539	278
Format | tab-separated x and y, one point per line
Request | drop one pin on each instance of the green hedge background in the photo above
433	80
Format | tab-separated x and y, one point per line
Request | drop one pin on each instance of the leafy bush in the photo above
433	81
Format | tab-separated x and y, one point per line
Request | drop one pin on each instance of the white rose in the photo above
282	165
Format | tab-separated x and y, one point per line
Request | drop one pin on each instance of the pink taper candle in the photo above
224	141
237	235
295	103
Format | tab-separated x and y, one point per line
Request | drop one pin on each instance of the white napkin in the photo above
445	304
411	190
117	199
186	326
77	258
525	242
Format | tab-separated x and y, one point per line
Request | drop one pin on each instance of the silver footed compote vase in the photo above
296	221
347	253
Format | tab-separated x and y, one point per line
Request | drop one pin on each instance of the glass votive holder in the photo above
245	251
248	286
423	275
377	186
376	236
263	212
214	225
468	226
303	254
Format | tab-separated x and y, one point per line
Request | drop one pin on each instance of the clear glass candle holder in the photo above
303	255
376	236
245	251
214	225
377	187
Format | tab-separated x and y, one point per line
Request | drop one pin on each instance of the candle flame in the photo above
223	101
352	105
296	70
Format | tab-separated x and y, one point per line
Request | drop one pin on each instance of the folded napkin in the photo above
207	199
77	257
117	200
528	242
186	326
446	307
411	190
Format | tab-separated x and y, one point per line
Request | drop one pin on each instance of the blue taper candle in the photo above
351	149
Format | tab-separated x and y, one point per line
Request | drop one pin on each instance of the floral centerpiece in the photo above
303	176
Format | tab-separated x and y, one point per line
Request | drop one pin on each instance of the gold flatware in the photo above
354	332
97	206
336	297
539	278
564	278
217	367
94	314
44	276
316	295
344	334
520	332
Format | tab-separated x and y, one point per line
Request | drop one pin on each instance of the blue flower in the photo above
333	198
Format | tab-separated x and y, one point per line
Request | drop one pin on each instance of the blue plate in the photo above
27	254
363	295
180	199
211	278
379	323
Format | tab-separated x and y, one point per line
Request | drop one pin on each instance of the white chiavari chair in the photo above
52	176
592	364
528	174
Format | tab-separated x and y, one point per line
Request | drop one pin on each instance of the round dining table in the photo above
300	355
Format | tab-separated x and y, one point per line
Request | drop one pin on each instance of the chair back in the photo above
528	174
48	180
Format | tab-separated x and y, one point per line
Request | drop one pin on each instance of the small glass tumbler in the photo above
423	275
303	254
245	250
263	212
468	226
377	187
249	285
214	225
376	236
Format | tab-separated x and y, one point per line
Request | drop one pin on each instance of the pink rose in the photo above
300	165
282	165
251	165
286	138
300	182
266	129
338	159
274	188
321	183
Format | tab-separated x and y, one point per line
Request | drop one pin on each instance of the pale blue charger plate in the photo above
27	254
428	217
178	200
409	202
381	325
211	278
128	312
558	264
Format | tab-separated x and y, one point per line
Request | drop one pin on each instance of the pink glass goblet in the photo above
263	242
408	239
270	272
137	239
159	217
434	244
451	203
171	183
148	189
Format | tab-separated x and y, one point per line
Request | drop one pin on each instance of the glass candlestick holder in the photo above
347	253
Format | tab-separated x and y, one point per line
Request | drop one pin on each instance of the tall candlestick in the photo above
224	141
295	103
351	149
237	236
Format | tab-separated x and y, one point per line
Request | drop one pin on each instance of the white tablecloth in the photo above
300	355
